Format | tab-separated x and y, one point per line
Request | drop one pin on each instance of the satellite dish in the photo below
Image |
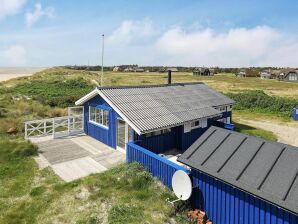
181	185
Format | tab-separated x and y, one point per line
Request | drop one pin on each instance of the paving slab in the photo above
75	157
61	150
78	168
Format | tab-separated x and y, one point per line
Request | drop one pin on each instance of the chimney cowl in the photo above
169	77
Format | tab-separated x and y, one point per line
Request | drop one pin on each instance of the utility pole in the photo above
101	80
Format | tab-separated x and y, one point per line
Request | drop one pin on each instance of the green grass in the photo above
124	194
257	132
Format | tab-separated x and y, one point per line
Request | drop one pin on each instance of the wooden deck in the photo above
77	156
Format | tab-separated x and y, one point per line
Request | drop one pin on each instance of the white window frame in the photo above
229	108
100	123
193	124
222	108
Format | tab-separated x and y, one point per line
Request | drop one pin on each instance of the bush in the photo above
56	92
141	180
37	191
257	100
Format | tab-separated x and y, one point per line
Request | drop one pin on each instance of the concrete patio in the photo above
76	156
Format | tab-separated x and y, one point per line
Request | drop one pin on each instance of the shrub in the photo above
141	180
37	191
55	92
257	100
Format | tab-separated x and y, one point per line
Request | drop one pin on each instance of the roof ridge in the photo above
149	86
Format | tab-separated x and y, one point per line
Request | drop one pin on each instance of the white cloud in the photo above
33	17
13	56
10	7
237	47
131	30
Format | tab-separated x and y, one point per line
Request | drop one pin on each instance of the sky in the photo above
224	33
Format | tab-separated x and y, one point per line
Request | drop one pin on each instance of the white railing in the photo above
57	127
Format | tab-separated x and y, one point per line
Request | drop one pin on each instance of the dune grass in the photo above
124	194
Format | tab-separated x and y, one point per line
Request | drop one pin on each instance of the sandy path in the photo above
12	72
286	132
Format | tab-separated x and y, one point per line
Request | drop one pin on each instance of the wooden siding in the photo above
155	164
226	204
105	135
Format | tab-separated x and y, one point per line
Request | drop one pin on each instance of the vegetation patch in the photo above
56	92
257	132
122	214
258	101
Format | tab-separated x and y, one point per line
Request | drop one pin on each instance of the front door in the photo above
120	133
124	133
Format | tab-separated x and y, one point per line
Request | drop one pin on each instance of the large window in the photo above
99	116
293	77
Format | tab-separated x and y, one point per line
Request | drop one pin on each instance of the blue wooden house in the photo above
156	117
236	178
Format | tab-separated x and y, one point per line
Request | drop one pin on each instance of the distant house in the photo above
265	75
289	75
133	69
116	69
241	73
128	69
203	72
275	74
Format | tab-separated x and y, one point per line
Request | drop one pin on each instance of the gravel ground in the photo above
286	132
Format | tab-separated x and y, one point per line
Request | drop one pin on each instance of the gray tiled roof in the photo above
263	168
151	108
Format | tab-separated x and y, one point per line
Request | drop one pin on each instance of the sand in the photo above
7	73
286	132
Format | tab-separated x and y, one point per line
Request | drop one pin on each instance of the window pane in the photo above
107	117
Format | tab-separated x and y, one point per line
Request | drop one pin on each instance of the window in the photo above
223	120
293	77
221	108
99	116
195	124
229	108
158	132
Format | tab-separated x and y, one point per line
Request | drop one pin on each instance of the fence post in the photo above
68	125
44	127
53	128
26	132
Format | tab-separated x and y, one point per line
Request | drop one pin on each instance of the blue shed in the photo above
295	113
243	179
158	118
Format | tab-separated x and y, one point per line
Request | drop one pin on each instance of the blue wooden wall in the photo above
105	135
227	205
175	139
158	143
158	166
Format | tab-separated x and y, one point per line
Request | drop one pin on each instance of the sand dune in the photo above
7	73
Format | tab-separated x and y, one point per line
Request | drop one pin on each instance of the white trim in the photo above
95	123
119	112
87	97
